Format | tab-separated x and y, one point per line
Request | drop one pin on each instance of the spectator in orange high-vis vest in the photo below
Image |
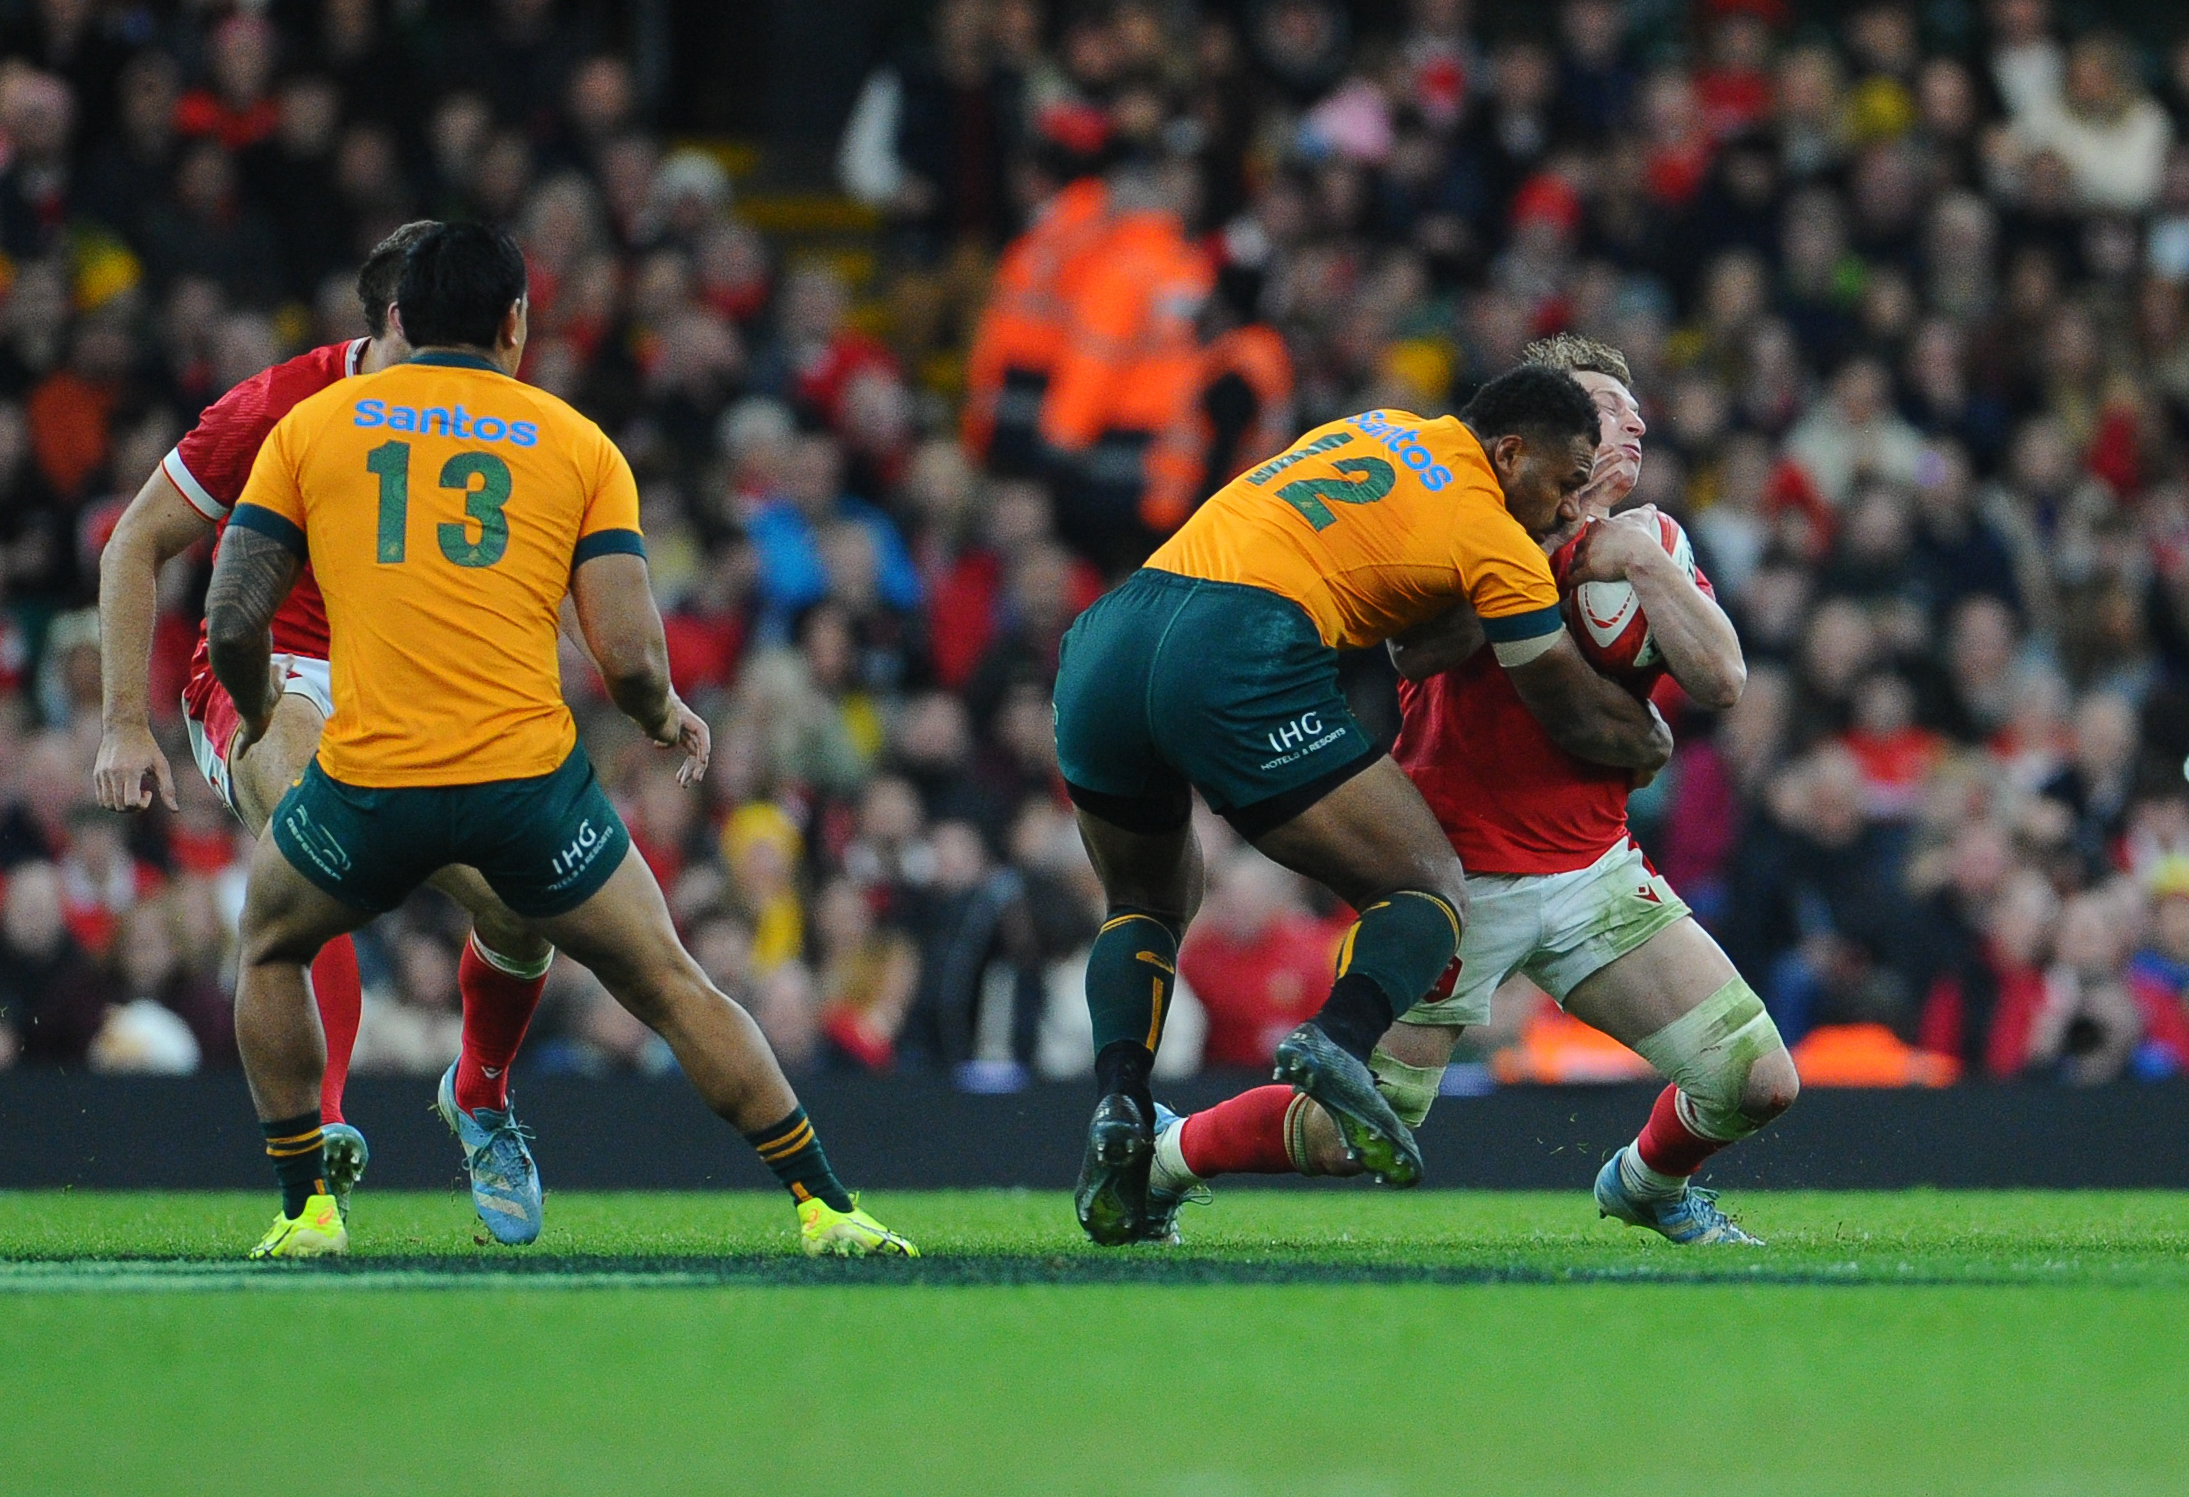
1132	362
1241	416
1021	334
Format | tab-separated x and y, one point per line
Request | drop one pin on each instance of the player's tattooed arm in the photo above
1433	647
251	576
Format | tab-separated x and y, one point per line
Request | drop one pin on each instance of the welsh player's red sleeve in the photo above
213	460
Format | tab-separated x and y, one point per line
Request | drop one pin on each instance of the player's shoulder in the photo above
1439	451
267	396
564	430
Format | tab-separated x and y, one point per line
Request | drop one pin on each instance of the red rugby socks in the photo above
340	997
1248	1135
1667	1145
498	1006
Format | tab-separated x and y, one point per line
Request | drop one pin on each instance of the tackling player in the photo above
1557	887
1215	667
504	966
446	510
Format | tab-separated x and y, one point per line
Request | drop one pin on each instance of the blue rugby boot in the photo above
505	1184
346	1158
1691	1218
1170	1184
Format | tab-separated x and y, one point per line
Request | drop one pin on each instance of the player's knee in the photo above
508	942
1411	1090
1403	943
1714	1053
1444	878
1773	1085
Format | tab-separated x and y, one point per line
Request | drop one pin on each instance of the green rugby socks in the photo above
298	1151
1131	973
793	1150
1396	952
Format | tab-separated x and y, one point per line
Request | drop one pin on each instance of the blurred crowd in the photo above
1905	290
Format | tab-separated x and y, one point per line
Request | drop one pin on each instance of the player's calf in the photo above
1131	973
1730	1076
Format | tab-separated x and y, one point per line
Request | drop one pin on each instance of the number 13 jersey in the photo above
442	506
1374	524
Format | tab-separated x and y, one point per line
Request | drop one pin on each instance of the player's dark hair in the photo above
1533	401
458	282
378	277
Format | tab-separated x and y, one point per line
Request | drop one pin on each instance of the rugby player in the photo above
446	510
1557	888
504	965
1215	667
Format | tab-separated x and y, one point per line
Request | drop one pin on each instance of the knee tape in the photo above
1409	1089
1709	1051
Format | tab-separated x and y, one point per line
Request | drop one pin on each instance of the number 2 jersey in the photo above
443	506
1509	798
1374	524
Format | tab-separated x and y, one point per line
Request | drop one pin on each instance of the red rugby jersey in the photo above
1509	798
211	462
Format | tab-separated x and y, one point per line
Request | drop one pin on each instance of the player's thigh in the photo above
263	774
286	916
1246	704
1367	837
1668	975
500	929
623	932
365	847
1159	871
1132	802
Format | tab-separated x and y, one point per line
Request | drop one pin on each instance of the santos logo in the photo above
439	422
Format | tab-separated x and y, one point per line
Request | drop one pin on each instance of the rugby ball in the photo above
1605	618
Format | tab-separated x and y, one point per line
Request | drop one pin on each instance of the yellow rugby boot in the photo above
314	1232
847	1234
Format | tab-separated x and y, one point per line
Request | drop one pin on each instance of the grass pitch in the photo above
1345	1341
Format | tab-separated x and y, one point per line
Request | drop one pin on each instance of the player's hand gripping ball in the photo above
1606	618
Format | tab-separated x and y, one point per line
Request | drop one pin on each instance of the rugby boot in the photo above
347	1157
823	1231
1112	1196
1310	1061
1170	1184
314	1232
505	1183
1691	1218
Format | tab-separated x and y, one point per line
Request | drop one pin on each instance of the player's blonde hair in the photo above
1574	353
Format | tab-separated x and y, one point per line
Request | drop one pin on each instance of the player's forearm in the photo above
243	663
250	578
1698	641
1612	727
129	581
643	695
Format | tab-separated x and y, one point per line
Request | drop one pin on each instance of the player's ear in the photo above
1506	454
395	323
